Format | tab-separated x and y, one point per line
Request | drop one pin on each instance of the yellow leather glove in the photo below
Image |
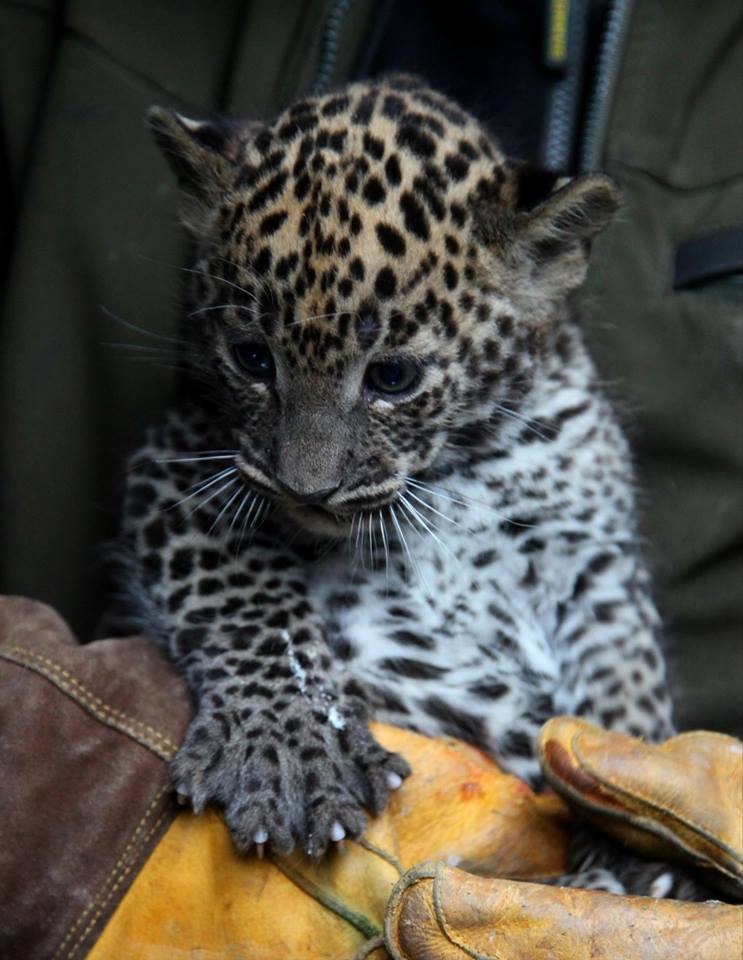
197	897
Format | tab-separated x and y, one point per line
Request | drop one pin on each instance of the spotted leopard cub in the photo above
401	492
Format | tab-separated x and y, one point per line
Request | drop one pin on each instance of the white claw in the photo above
260	836
337	833
661	886
193	125
394	780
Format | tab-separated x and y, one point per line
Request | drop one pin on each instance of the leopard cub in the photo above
399	490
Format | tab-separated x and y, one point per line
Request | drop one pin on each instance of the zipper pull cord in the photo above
329	46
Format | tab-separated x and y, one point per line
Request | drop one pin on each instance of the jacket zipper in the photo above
602	91
564	99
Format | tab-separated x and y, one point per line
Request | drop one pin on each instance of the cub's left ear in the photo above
203	155
556	234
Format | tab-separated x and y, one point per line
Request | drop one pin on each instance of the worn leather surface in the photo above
458	805
195	888
94	862
438	912
681	799
85	733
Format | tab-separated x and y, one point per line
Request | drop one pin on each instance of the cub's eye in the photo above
392	376
255	359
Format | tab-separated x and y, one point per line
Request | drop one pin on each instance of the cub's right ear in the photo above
556	234
201	153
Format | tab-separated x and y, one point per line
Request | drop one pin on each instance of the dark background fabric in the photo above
89	233
674	358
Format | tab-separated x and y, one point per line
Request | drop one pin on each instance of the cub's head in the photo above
367	284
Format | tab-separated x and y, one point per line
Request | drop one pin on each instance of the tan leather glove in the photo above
437	912
682	800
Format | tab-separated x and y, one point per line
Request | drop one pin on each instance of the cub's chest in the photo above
471	657
444	612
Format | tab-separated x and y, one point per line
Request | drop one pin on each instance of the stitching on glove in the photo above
147	736
118	868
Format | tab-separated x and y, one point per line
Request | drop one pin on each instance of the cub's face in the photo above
364	288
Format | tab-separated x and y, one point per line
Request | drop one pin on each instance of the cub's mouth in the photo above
334	517
338	520
318	520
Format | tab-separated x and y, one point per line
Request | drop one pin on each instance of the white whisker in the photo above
322	316
133	326
246	519
261	282
413	564
216	456
349	538
212	495
385	544
463	501
238	511
142	348
519	418
358	553
436	493
260	513
353	542
215	276
217	306
203	485
434	510
425	524
222	512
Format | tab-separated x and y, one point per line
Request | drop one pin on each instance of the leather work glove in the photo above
437	912
679	801
98	862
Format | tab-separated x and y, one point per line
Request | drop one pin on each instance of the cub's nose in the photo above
307	496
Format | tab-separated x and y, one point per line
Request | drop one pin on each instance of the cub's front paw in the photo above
235	770
302	780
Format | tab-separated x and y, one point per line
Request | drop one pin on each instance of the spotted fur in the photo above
457	558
